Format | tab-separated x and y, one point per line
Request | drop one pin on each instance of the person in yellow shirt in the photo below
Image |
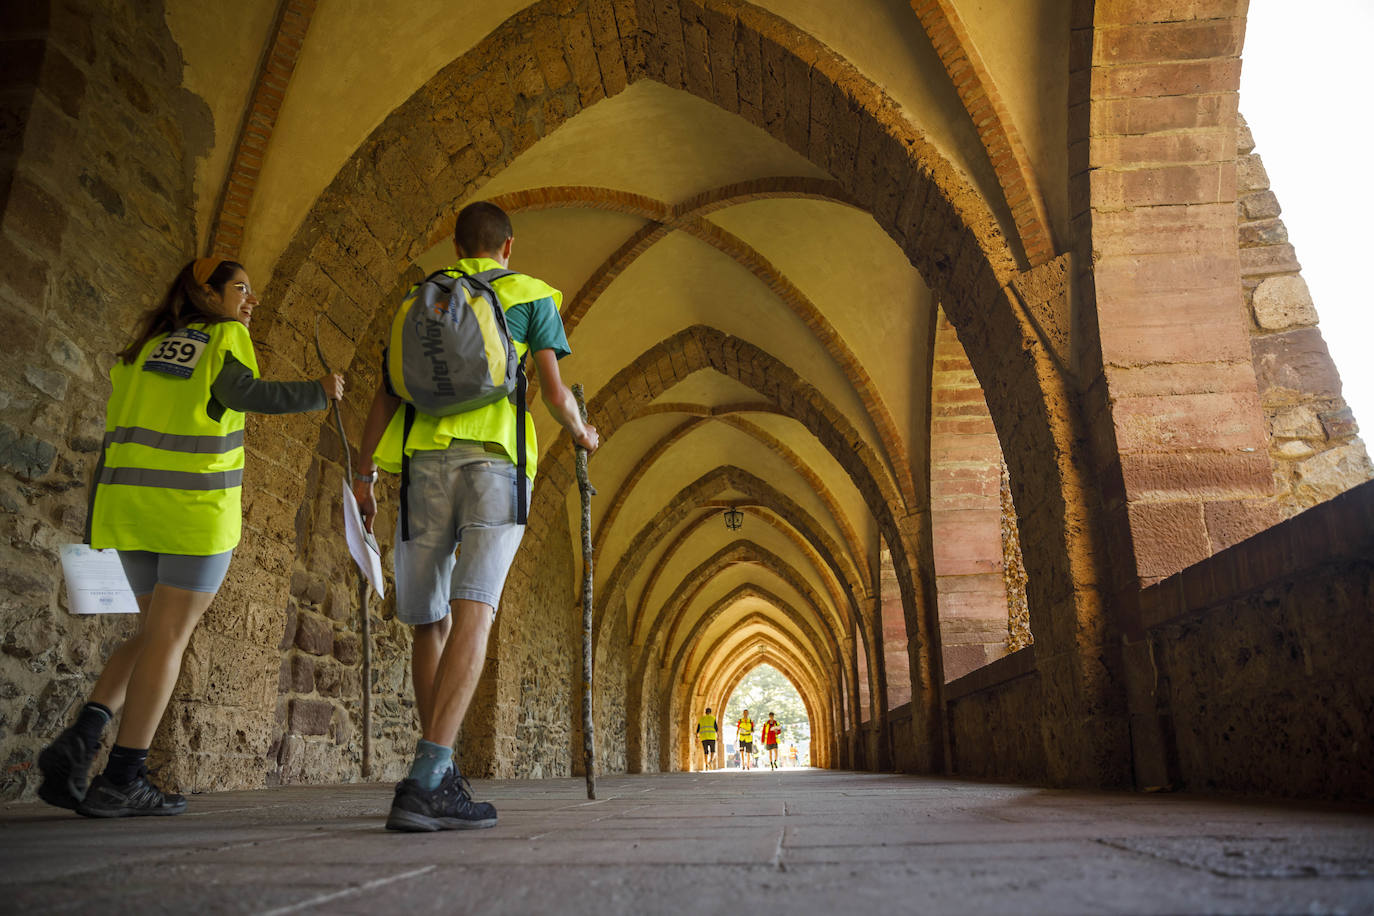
744	737
706	731
167	496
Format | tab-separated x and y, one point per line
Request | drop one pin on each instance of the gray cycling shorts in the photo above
464	495
145	570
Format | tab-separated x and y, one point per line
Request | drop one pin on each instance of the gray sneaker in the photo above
66	766
134	799
448	807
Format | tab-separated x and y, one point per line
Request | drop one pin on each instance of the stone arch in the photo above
966	512
683	658
728	679
653	646
741	551
983	102
760	648
858	575
643	669
689	218
816	562
701	347
728	477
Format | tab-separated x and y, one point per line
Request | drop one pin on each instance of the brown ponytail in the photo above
186	302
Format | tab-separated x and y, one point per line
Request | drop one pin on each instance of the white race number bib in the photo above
178	353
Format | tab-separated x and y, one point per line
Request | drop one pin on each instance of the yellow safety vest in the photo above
494	423
706	728
746	729
171	477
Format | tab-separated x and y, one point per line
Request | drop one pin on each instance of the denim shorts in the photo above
464	495
145	570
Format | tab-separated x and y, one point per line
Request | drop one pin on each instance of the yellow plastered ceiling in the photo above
361	61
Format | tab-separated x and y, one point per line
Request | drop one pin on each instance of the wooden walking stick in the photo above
584	485
362	579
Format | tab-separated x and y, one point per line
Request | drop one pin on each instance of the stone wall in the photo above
97	147
1313	437
966	512
653	735
318	720
541	658
610	676
1260	659
1249	672
996	721
1013	572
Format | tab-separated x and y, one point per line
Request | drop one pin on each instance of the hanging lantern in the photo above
733	518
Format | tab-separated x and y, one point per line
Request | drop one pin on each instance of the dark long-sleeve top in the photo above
236	388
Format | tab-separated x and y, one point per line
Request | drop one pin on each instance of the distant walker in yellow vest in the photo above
706	731
744	736
459	479
167	495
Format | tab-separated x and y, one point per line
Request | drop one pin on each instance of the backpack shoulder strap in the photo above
441	278
489	277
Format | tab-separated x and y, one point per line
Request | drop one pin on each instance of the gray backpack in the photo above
450	351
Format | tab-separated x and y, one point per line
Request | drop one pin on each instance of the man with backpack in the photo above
465	448
706	731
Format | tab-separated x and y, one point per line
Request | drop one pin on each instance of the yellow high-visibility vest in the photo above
706	728
170	477
494	423
746	729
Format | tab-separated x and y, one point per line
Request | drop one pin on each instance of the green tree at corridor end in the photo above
763	690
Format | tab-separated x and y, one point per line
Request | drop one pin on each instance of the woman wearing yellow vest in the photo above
166	495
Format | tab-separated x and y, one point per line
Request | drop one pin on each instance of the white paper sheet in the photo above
95	581
361	544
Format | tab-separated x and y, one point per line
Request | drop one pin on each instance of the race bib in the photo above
178	353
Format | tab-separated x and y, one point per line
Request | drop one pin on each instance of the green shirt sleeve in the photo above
538	325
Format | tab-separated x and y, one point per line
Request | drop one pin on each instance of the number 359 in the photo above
174	351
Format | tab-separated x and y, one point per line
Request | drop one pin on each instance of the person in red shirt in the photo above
744	737
771	732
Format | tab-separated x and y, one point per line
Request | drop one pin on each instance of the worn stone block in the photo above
347	648
1260	205
1292	363
314	635
35	215
1339	424
302	674
1300	422
1283	302
311	717
25	455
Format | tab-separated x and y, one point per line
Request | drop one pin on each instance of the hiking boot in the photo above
449	807
66	766
134	799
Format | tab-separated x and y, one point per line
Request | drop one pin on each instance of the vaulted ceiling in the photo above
657	213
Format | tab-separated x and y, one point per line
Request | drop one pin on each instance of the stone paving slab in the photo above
797	841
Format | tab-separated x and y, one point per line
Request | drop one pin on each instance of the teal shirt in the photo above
538	325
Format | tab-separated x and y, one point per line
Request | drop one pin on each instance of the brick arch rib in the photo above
688	217
1001	139
269	90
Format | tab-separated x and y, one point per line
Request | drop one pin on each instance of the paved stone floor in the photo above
795	841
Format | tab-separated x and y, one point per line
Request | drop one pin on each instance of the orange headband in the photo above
201	268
